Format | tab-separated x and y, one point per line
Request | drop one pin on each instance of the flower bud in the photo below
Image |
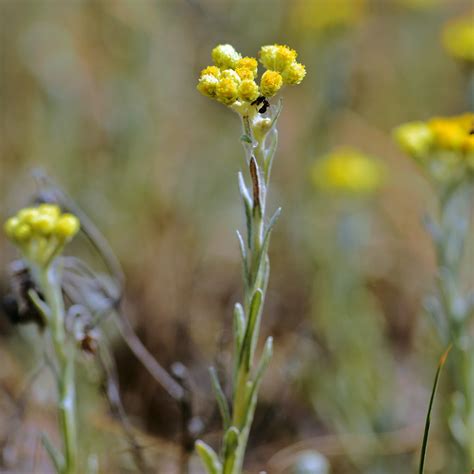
248	90
226	91
207	85
43	224
10	225
248	63
270	83
225	56
66	226
294	73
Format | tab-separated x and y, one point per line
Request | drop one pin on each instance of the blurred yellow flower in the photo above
41	232
444	145
458	37
312	16
348	171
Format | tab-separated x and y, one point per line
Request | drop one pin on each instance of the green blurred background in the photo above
101	95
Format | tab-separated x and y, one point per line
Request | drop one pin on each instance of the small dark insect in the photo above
265	104
17	304
90	341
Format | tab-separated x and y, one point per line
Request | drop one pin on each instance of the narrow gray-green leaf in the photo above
56	457
209	458
231	442
262	366
254	312
248	207
220	397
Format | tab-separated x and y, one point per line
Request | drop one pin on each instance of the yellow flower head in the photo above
230	74
458	38
270	83
444	144
226	91
245	73
448	134
248	90
207	85
294	73
41	232
277	57
415	138
211	71
348	171
248	63
225	56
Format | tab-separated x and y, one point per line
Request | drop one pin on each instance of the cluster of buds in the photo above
458	38
443	144
347	171
41	232
233	80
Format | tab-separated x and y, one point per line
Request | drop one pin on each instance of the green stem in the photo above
449	289
49	282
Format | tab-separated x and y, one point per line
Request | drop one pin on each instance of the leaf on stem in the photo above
243	254
220	397
262	366
256	185
239	324
209	458
231	441
248	207
56	457
424	446
254	312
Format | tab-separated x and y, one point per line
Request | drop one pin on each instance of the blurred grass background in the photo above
101	95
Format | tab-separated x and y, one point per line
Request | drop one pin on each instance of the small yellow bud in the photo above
284	56
66	226
230	74
248	63
270	83
207	85
248	90
49	209
10	225
244	73
22	232
27	214
294	73
212	71
225	56
43	224
226	91
415	138
267	56
277	57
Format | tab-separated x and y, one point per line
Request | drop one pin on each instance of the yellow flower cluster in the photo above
41	231
447	142
346	170
458	38
233	78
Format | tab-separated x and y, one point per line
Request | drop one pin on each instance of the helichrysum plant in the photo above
40	233
233	81
444	148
